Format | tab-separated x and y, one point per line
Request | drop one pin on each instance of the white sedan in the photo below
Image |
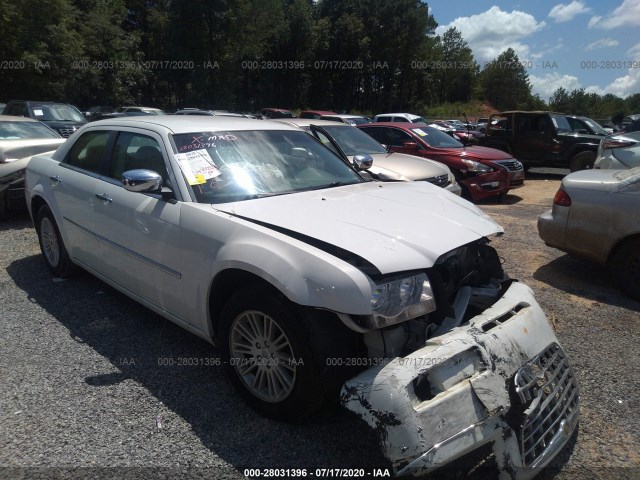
315	283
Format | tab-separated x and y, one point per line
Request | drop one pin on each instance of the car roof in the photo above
343	116
306	122
406	125
193	123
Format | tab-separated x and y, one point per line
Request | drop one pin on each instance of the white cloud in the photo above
625	86
634	51
603	43
490	33
625	15
546	84
564	13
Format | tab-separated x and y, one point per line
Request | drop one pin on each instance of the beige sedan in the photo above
596	215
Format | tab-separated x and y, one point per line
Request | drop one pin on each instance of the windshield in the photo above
57	112
596	127
436	138
22	130
233	166
561	124
353	141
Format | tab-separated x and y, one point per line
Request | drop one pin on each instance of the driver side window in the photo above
134	151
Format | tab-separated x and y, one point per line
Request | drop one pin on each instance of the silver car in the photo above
348	142
619	152
315	284
596	215
20	138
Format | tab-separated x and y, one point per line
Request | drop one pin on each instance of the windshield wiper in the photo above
253	196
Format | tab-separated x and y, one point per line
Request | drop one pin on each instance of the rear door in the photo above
73	187
139	233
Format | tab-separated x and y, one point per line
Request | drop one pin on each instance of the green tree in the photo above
505	83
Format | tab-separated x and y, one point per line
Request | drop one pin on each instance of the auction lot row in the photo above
93	380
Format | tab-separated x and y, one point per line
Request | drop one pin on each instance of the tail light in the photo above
616	142
562	198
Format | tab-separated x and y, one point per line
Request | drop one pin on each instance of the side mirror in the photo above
410	145
362	162
142	181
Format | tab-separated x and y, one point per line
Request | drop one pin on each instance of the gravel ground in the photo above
92	385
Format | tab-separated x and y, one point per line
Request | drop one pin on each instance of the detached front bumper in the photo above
500	381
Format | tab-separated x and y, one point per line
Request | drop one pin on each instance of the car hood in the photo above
483	153
15	149
398	166
394	226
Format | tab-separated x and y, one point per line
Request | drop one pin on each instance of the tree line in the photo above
346	55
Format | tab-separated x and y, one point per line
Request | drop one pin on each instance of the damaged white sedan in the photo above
315	284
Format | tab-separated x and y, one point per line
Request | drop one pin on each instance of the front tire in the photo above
624	268
53	250
268	355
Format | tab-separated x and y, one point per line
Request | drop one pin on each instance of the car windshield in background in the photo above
436	138
353	141
60	113
597	128
561	123
25	130
242	165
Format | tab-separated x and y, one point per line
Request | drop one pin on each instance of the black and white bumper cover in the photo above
501	380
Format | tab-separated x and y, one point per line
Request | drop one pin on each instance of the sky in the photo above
573	44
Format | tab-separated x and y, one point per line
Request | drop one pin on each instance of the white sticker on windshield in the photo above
197	166
37	112
420	132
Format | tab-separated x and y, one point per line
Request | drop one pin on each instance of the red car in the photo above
315	114
481	171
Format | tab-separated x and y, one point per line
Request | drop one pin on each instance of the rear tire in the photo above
268	354
624	268
53	250
4	208
582	161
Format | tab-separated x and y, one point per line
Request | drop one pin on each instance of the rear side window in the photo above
88	151
379	134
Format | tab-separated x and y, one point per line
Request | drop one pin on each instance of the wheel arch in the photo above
224	285
634	237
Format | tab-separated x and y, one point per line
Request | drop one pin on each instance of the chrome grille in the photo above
65	132
440	180
547	387
511	165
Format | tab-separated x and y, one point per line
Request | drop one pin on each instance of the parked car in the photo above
541	139
2	105
312	281
596	215
630	123
350	119
315	113
62	117
276	113
210	113
133	110
619	152
399	117
99	112
349	142
585	125
20	139
481	172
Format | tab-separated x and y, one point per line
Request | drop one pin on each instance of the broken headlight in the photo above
402	299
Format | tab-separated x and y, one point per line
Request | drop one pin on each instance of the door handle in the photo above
55	180
104	197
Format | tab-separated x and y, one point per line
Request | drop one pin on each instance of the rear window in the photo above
25	130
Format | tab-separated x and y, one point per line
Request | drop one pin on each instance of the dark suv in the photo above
541	139
62	117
